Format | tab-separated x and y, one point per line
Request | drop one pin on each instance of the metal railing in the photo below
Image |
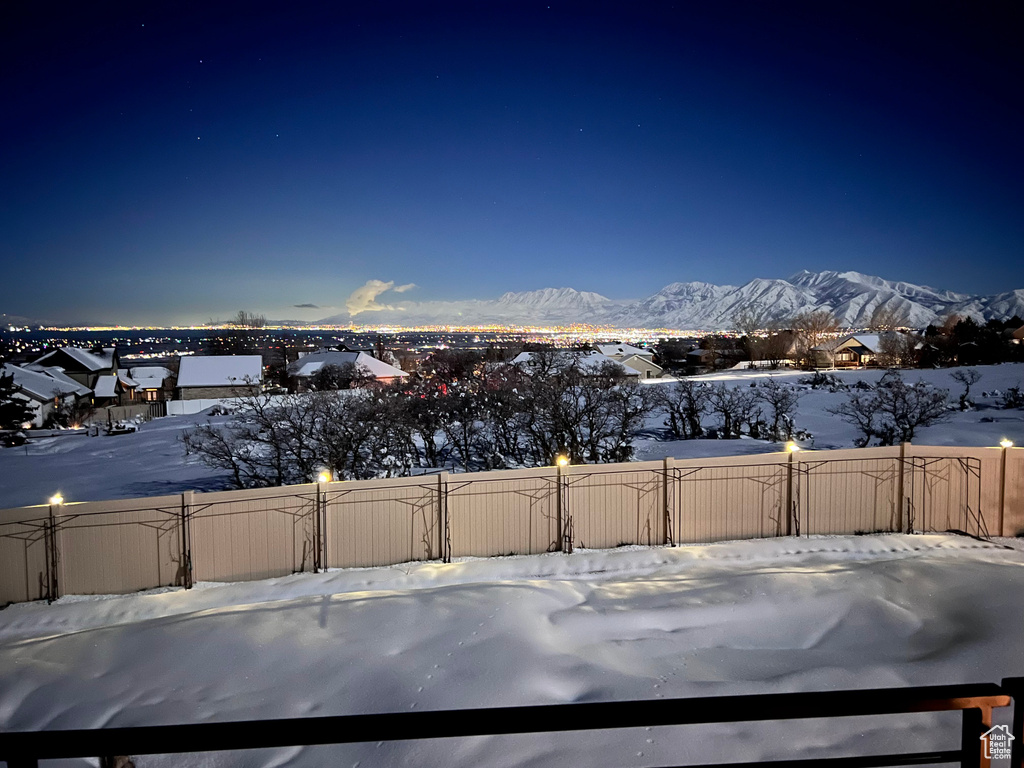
974	701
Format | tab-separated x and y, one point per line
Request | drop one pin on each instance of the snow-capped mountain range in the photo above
853	298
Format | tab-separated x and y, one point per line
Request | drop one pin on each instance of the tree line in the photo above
475	414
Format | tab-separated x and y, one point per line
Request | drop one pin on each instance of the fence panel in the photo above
613	507
502	513
848	495
944	494
718	503
255	534
382	522
23	555
1013	492
119	546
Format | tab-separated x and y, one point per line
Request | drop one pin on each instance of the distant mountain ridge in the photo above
851	296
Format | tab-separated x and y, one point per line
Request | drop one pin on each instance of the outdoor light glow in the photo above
324	477
58	499
1004	443
562	461
791	446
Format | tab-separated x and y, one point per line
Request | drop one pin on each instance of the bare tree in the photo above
244	319
684	404
736	405
967	377
344	376
898	350
893	410
813	328
782	400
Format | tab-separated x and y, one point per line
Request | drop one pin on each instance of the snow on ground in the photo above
984	425
789	614
151	462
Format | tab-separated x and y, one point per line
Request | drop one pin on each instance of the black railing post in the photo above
1015	687
666	475
186	539
444	533
52	554
971	729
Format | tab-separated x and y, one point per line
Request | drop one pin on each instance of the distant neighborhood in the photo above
75	387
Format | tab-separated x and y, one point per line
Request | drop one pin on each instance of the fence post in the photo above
666	475
318	528
1004	447
443	533
558	506
185	538
899	492
52	553
789	495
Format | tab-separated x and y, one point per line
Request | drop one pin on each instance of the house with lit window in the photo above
45	390
854	351
153	383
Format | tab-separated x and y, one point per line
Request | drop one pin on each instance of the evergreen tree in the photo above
13	410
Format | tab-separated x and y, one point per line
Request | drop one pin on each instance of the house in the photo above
302	370
853	351
218	376
1018	335
640	360
622	351
588	362
83	365
153	383
46	390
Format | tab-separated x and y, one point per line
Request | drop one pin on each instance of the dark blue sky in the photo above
166	162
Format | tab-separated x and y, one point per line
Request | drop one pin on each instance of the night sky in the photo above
169	162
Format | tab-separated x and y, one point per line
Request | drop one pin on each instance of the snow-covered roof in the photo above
126	380
150	377
869	341
106	386
219	370
640	360
587	361
88	360
622	350
44	384
150	372
310	364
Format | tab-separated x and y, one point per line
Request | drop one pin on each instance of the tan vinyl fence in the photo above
128	545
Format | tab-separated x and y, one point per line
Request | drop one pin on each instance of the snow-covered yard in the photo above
635	623
152	461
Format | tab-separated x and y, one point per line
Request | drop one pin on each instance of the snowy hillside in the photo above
789	614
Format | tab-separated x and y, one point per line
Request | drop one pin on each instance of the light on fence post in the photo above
562	461
56	500
792	447
319	526
1003	444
